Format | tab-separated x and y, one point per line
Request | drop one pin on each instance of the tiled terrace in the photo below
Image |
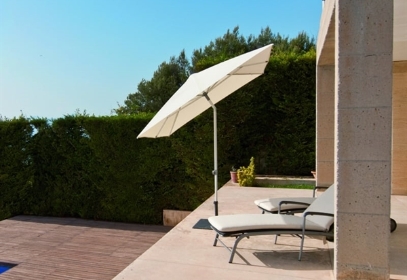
187	253
66	248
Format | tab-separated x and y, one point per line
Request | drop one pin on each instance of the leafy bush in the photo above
246	175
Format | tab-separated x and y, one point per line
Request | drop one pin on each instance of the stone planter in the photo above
173	217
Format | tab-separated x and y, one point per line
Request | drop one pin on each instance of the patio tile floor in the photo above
187	253
68	248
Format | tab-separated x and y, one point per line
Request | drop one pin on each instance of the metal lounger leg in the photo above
302	245
216	240
232	254
302	239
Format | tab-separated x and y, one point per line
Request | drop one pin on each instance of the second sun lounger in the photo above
291	205
286	205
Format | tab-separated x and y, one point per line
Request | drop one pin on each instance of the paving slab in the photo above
188	253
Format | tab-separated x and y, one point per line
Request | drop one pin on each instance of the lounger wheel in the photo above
330	238
393	225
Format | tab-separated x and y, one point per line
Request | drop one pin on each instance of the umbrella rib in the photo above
163	125
257	63
247	65
158	133
244	74
173	123
233	73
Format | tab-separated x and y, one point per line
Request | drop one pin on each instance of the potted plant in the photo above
233	174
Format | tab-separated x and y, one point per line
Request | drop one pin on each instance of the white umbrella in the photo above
201	91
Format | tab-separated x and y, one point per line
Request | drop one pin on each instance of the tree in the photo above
223	48
299	45
152	95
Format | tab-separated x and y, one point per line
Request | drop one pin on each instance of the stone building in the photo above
362	126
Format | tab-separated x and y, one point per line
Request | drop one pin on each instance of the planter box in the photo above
173	217
285	180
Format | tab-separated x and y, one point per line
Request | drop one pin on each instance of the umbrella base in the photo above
202	224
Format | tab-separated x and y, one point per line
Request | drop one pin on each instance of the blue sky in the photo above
59	56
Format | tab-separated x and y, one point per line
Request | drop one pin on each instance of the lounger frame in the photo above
242	234
288	211
393	223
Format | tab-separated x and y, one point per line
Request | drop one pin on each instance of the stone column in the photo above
325	124
363	121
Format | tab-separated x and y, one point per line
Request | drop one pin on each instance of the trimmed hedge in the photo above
16	169
272	119
96	168
92	167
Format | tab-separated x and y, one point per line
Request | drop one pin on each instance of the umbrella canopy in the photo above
204	89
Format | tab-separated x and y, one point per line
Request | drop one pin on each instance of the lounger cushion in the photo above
325	204
253	222
271	204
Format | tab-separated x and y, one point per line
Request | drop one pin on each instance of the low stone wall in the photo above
285	180
173	217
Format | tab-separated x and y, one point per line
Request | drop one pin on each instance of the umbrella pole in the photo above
215	158
215	151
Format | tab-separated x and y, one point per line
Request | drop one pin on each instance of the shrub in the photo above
245	175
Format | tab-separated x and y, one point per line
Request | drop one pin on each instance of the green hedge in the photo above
271	119
96	168
92	167
16	169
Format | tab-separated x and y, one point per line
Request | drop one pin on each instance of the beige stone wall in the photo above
325	137
399	145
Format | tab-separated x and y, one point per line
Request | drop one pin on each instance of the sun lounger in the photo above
317	219
286	205
291	205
